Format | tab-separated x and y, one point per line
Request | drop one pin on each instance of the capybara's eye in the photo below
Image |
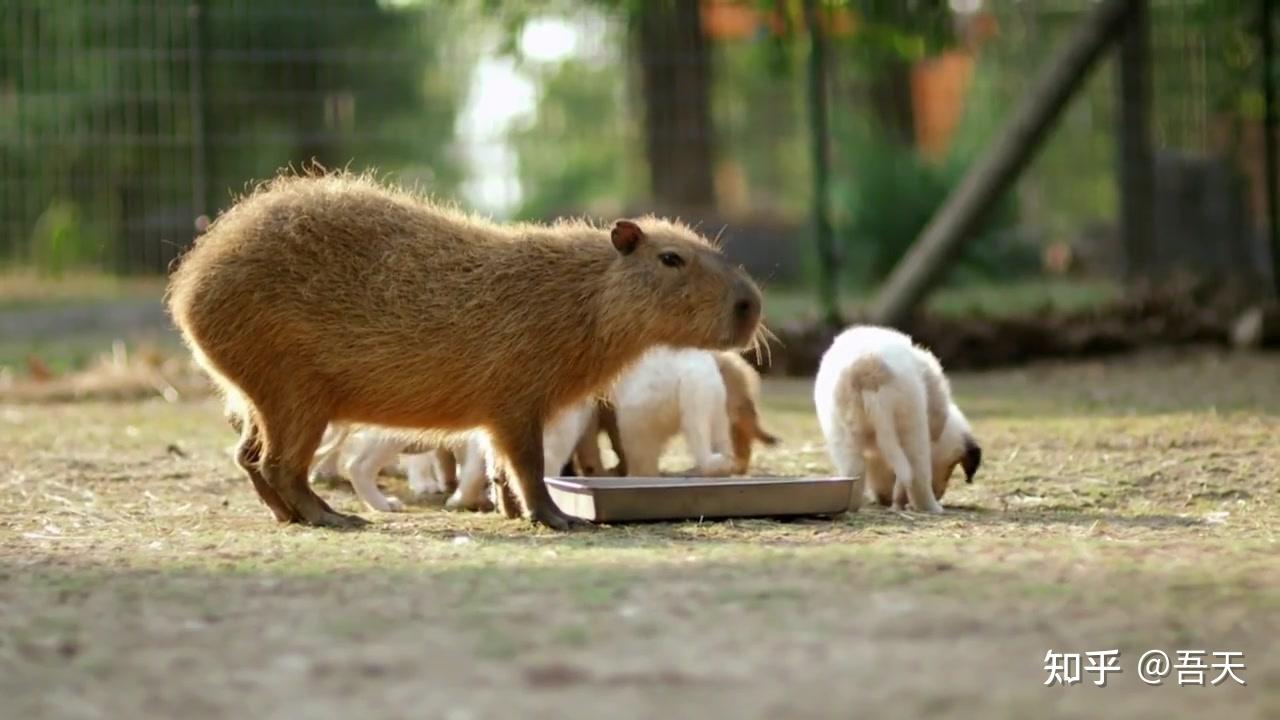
671	259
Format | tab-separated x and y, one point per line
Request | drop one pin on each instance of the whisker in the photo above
769	334
715	242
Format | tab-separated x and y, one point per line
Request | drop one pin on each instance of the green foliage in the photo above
887	193
893	30
96	107
60	242
572	154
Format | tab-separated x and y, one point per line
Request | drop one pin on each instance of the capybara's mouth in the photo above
743	336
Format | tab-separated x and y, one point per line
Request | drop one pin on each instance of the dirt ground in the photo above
1126	505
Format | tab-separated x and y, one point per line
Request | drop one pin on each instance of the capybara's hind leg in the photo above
505	498
523	452
289	442
249	458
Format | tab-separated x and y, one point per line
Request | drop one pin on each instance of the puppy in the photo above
709	398
886	412
366	451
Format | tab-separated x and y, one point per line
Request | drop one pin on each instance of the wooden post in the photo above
993	174
1136	165
824	236
196	106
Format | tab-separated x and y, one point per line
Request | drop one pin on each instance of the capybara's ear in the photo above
626	236
972	459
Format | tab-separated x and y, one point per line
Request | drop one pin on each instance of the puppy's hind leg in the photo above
472	490
915	445
379	452
706	429
847	458
901	444
325	467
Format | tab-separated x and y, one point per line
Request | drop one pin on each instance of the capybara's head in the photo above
955	446
680	288
742	395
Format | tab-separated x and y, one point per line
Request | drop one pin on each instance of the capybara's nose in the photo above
746	311
747	303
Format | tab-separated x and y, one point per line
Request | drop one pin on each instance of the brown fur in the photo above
586	460
869	373
742	393
334	298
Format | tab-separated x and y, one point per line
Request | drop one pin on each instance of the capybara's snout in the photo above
747	306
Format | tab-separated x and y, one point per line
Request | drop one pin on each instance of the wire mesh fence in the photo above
125	126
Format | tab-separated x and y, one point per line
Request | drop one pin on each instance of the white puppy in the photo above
885	409
671	391
361	454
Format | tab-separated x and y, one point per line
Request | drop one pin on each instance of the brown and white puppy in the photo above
886	412
709	398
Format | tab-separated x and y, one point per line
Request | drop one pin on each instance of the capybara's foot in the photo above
457	502
336	520
317	513
552	517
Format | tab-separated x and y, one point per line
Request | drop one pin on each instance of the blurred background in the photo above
126	126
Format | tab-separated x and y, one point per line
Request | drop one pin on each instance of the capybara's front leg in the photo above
523	450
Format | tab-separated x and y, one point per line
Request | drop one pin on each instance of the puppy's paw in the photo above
422	488
717	466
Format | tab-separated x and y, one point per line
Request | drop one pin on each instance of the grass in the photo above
1023	297
1128	505
26	299
23	289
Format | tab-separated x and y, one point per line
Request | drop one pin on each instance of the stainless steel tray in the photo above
613	499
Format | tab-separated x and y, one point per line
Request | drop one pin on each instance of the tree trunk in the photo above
675	70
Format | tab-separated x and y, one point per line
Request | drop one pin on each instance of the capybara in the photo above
321	298
886	411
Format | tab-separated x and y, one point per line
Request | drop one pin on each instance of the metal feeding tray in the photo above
622	499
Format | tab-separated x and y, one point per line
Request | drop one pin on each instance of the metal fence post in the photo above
196	100
824	236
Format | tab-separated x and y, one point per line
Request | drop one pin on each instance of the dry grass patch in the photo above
1128	505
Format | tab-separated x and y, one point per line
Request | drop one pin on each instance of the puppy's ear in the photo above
626	235
972	459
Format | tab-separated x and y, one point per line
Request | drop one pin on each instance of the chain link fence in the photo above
124	126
